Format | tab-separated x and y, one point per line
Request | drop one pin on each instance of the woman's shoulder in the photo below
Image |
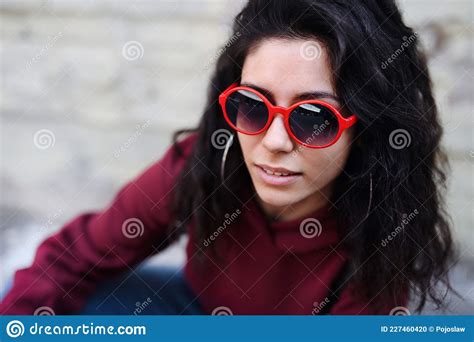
150	192
160	176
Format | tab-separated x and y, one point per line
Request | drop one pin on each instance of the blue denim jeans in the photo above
146	290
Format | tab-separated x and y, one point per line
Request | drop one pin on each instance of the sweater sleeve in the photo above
97	245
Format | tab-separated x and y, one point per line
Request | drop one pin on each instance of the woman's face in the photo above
282	68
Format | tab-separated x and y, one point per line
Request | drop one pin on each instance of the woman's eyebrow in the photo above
299	97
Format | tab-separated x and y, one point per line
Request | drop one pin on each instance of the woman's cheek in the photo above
322	168
245	145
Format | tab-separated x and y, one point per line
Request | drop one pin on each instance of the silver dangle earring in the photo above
224	155
370	196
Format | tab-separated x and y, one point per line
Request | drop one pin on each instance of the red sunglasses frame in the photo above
344	123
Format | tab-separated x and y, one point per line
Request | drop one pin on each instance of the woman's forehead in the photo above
280	66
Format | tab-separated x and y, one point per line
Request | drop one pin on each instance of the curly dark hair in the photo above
380	74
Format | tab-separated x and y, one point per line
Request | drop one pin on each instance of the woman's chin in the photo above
275	199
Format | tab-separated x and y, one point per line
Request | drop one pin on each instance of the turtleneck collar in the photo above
314	231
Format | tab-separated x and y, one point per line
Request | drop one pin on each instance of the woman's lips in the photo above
277	178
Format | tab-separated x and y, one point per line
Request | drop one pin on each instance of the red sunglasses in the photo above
312	123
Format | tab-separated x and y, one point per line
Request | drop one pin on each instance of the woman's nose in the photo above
276	138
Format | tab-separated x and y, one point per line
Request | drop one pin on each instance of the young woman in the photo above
313	184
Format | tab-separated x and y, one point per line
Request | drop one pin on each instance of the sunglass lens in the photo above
247	111
314	124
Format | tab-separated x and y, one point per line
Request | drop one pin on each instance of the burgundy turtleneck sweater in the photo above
269	267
